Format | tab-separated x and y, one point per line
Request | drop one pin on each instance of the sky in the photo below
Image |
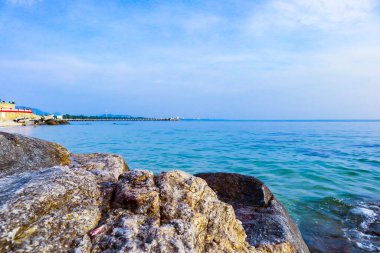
274	59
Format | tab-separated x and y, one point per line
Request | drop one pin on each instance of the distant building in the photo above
8	112
7	105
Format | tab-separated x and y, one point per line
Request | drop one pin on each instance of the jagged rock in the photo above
266	222
19	154
136	191
173	212
106	167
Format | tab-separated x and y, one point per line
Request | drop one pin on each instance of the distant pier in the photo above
125	119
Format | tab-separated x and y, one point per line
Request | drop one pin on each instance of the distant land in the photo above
81	116
125	116
36	110
101	116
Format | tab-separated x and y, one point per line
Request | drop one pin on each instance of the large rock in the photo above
266	222
52	209
173	212
19	154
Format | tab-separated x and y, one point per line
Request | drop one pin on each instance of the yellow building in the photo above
8	112
8	105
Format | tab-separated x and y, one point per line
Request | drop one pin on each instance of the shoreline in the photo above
9	124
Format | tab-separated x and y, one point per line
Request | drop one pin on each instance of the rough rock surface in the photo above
106	167
174	212
266	222
19	154
47	208
42	211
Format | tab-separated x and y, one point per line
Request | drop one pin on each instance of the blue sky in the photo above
275	59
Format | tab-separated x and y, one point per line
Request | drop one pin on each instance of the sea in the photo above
326	173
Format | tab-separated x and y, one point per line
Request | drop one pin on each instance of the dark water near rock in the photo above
326	173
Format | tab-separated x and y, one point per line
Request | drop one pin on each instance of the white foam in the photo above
367	214
364	211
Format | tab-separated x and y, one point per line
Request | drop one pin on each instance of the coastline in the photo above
34	122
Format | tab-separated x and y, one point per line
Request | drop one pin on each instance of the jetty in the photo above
125	119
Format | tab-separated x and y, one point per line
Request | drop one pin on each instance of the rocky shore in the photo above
34	122
43	121
54	201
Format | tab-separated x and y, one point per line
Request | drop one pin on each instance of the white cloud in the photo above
320	14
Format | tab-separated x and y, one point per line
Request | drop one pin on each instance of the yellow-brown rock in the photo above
173	212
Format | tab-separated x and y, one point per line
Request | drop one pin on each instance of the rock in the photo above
106	167
45	210
204	218
53	209
173	212
19	154
136	192
54	122
266	222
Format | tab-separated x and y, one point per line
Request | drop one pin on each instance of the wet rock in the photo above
173	212
266	222
54	122
20	154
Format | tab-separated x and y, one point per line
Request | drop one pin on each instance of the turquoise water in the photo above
326	173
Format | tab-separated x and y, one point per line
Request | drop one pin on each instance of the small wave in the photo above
343	225
369	161
362	228
367	214
368	145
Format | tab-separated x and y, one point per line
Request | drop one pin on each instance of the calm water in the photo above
326	173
